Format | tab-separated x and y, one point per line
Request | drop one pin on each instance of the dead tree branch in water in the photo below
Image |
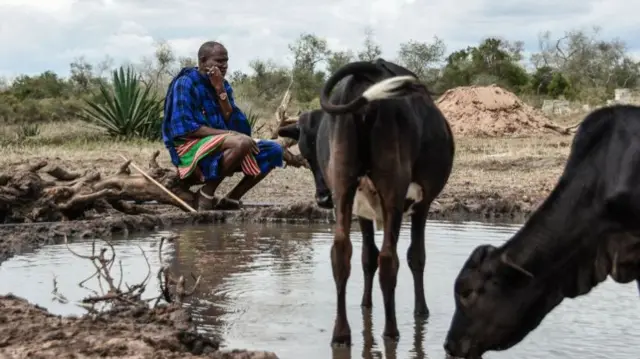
103	265
174	290
112	294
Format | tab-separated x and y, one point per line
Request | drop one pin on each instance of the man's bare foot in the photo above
206	202
225	203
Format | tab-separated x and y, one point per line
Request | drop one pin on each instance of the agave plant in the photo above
252	118
128	110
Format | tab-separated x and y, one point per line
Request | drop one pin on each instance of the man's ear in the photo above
291	131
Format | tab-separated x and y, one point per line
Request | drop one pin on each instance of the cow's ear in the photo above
291	131
512	273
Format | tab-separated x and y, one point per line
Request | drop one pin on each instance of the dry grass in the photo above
518	168
483	167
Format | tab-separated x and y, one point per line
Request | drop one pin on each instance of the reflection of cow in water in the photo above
382	132
585	230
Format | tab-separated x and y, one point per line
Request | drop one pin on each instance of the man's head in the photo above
497	304
213	53
305	131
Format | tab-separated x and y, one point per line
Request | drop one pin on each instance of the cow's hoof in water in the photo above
341	341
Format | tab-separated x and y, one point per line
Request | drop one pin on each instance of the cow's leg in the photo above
392	189
416	255
369	259
341	251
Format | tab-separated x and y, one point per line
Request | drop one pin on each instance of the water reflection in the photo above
224	253
30	275
370	346
286	272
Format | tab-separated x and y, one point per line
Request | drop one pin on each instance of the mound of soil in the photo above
491	111
29	331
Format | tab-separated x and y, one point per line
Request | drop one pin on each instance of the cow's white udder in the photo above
367	204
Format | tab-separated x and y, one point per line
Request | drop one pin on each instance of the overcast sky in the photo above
39	35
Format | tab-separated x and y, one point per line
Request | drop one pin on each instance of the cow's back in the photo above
411	130
414	131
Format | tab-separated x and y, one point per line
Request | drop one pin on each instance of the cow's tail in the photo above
393	87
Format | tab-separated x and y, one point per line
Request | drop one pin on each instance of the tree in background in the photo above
423	58
371	49
493	61
578	65
591	67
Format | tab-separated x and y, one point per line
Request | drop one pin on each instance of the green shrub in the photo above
127	109
14	111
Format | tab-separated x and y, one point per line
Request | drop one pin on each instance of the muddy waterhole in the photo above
270	287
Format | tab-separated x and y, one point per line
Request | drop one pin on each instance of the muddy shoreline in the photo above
16	238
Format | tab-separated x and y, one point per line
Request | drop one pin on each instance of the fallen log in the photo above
27	196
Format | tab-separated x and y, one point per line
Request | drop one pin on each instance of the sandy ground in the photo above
491	111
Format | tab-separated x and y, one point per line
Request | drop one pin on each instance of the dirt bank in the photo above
18	237
492	111
15	238
29	331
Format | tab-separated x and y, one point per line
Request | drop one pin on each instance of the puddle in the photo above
31	275
270	287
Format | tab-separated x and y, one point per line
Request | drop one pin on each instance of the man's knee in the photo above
240	144
246	144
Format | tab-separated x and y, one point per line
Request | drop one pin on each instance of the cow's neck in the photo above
569	247
557	230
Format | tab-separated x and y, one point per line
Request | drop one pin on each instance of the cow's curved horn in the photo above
507	261
387	88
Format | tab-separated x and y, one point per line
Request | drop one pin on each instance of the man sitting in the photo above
208	136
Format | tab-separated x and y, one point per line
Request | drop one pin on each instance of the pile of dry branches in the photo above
26	196
173	291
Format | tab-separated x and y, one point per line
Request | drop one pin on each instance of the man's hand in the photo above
249	140
216	79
